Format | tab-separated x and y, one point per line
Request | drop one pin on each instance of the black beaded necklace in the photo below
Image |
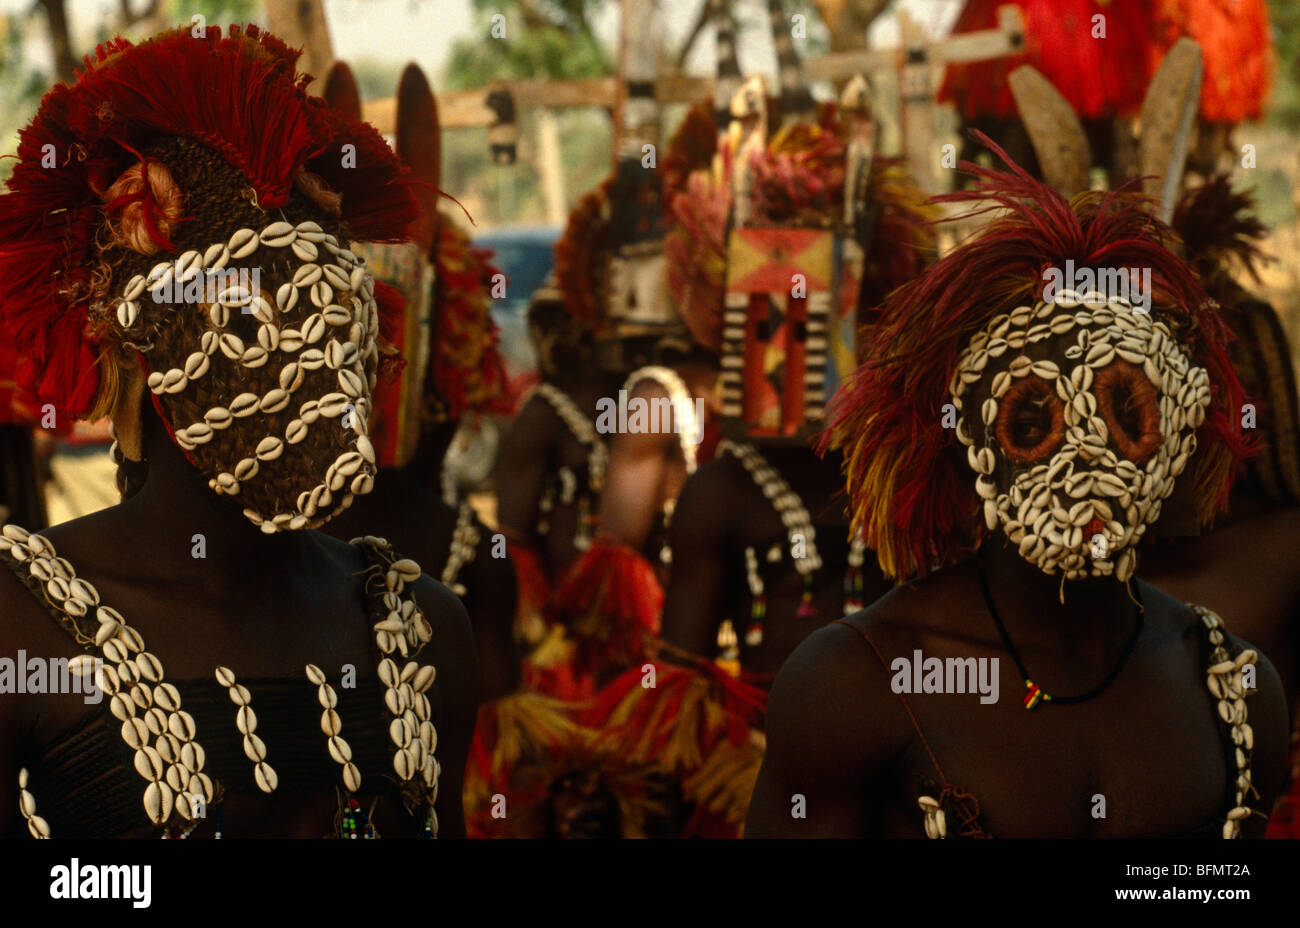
1035	694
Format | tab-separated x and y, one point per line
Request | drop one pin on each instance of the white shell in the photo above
158	802
339	750
291	376
196	365
315	675
286	297
312	359
351	383
278	235
216	257
307	275
351	777
275	400
160	278
246	469
243	243
245	404
331	405
260	309
313	329
424	678
269	448
189	265
295	432
304	250
336	277
174	381
336	315
135	288
232	346
266	778
362	484
127	313
235	297
268	337
254	356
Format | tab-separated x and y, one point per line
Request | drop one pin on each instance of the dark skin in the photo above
721	512
263	605
1150	743
405	509
537	444
1244	570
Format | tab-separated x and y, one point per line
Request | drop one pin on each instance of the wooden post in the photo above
916	103
551	167
916	63
301	23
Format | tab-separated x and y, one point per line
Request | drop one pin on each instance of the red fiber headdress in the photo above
911	492
238	95
1236	48
798	180
468	373
1099	76
580	257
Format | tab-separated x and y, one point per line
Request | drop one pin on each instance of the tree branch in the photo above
65	62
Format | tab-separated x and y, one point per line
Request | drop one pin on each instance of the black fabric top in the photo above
86	785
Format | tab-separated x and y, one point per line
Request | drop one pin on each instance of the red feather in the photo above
1099	76
910	488
241	96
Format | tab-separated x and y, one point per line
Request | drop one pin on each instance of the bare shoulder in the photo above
535	425
24	621
836	678
447	616
709	492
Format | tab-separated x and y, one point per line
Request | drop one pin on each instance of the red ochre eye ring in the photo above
1024	390
1145	402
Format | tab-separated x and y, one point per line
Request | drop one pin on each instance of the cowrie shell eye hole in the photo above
1030	423
1128	404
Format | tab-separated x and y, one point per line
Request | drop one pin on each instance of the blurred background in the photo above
563	149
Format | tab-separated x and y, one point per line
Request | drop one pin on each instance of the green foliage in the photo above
21	82
507	195
1284	109
542	39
